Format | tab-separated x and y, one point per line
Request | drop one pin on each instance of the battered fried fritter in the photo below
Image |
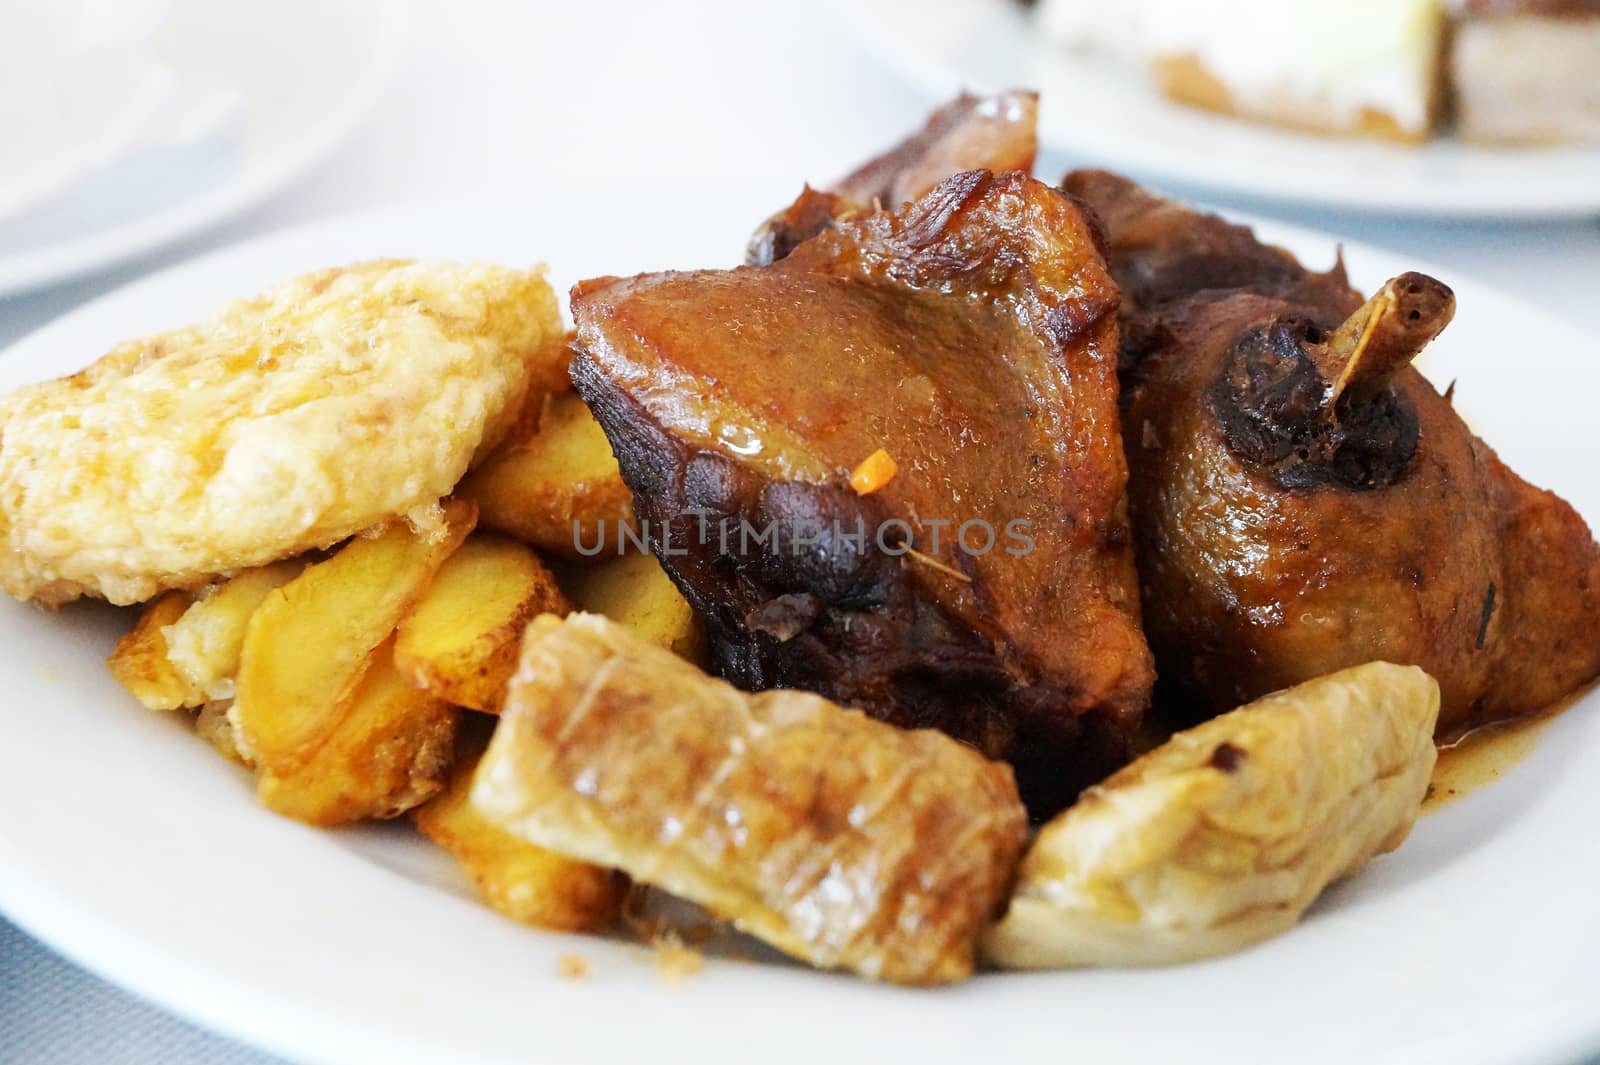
281	424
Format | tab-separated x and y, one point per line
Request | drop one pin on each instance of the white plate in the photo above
1101	113
127	844
307	71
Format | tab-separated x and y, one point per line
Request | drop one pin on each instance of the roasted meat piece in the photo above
973	336
1162	252
1304	500
833	837
970	132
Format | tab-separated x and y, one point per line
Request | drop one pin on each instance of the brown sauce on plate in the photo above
1483	755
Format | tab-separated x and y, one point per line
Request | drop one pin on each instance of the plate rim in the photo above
51	264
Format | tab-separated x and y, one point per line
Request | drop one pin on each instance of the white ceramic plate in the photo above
127	844
306	72
1103	114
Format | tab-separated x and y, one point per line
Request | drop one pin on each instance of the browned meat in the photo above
973	336
1161	252
1304	500
969	133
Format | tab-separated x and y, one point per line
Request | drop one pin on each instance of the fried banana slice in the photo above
636	592
205	643
561	490
522	881
140	662
1222	837
460	640
838	839
390	751
311	642
281	424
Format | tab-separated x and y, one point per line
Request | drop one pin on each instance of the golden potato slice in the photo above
213	725
140	664
522	881
561	488
204	644
460	640
390	751
1224	835
634	591
310	642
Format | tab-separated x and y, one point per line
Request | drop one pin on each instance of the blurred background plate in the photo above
301	74
1097	112
130	846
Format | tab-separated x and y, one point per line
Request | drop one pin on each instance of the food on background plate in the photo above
970	133
1523	71
972	333
1225	835
460	639
525	882
1305	501
1372	67
838	839
1491	71
559	490
281	424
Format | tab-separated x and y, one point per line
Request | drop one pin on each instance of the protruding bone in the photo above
1387	333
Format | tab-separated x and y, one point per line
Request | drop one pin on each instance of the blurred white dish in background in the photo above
128	124
1106	113
1369	66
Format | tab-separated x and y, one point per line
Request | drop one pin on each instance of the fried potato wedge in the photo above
311	641
213	725
525	882
1223	836
205	643
140	661
635	591
559	489
390	751
460	641
838	839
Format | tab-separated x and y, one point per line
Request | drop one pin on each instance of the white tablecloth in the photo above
492	96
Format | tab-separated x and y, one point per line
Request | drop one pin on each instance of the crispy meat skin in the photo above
839	840
972	335
970	132
1161	252
1431	552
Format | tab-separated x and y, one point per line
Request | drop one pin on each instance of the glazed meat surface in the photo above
973	336
1304	500
1162	252
833	837
969	133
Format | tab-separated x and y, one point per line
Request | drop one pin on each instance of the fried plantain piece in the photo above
836	838
1223	836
